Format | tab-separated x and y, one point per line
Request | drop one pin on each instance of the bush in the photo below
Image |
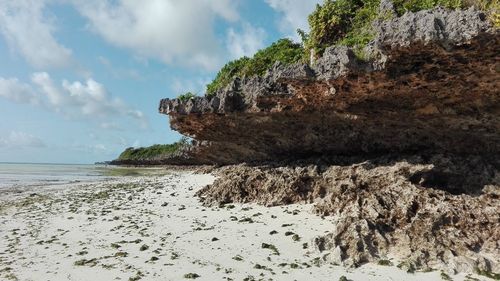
283	50
349	22
335	22
226	74
186	96
143	153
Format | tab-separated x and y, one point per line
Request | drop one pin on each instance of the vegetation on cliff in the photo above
349	22
344	22
186	96
283	50
336	22
151	152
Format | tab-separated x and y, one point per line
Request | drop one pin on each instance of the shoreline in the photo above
154	228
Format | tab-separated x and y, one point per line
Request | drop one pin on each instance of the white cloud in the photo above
246	43
30	33
170	30
87	100
56	99
13	90
20	139
294	14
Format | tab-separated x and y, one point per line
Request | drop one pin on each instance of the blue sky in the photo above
80	80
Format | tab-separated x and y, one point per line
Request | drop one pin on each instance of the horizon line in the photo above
47	163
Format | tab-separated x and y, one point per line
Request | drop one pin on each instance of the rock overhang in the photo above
431	84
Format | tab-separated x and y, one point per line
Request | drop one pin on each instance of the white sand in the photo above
42	236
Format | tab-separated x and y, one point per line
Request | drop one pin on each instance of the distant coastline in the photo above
44	163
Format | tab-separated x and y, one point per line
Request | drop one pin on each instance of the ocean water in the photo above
15	175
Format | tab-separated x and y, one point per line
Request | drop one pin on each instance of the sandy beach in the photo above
155	228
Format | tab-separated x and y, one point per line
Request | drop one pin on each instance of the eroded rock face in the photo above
401	148
437	212
431	84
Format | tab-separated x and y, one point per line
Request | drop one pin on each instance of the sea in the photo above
20	175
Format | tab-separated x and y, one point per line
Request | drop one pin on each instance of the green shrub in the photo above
336	22
283	50
341	21
153	151
226	74
187	96
349	22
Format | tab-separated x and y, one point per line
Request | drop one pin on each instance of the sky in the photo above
81	80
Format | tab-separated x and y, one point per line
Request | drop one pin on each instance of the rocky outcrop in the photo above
399	143
440	212
428	82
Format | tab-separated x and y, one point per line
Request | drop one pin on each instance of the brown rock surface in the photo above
402	149
439	212
435	89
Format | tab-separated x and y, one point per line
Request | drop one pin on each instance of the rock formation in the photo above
399	142
437	212
430	84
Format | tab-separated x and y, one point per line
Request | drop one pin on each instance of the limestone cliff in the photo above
430	82
399	143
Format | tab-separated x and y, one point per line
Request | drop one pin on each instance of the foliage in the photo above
186	96
494	11
283	50
336	22
491	7
349	22
153	151
226	74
